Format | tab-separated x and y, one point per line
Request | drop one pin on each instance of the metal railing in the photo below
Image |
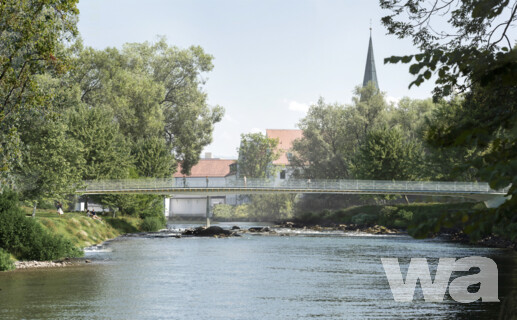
172	184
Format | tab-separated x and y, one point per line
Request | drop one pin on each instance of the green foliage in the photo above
333	132
474	56
395	217
6	262
387	155
153	90
468	46
153	158
271	207
51	158
256	153
25	238
226	212
151	224
124	224
322	152
364	219
106	151
31	33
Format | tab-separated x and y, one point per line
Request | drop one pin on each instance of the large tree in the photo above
472	54
333	132
387	155
256	155
31	37
154	90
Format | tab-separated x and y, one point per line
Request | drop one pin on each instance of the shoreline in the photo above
448	235
33	264
451	236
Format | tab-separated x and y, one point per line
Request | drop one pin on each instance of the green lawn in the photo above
84	231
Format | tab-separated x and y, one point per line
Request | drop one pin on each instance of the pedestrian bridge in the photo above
211	187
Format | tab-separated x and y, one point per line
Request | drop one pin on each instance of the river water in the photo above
300	276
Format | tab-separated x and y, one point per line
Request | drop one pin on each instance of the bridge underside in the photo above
492	198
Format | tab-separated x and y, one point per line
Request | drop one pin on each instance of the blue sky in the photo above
272	58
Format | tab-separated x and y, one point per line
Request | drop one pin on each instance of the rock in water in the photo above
258	229
208	232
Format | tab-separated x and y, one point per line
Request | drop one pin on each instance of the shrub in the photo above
151	224
363	219
25	238
224	211
6	263
405	215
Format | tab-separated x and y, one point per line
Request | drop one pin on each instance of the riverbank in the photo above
380	219
84	231
80	231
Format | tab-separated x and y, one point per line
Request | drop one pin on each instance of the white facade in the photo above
195	205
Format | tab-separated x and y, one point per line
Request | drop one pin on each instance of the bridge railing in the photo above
301	184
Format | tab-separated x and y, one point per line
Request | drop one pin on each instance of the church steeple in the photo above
370	73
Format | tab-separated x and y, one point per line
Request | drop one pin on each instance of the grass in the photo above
82	230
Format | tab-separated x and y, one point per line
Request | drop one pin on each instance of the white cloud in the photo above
298	106
393	100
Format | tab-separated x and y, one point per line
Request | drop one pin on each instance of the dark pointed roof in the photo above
370	73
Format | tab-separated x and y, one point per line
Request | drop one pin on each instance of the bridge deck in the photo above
203	186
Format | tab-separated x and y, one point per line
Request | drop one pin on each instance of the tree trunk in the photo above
34	209
407	200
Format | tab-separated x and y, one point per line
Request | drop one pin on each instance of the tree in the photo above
153	158
411	115
105	150
31	33
367	112
51	159
464	41
388	155
472	55
333	132
323	152
153	90
256	155
271	207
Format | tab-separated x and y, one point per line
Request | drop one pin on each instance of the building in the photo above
285	138
370	72
206	171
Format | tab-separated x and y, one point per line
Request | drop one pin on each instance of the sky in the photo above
272	59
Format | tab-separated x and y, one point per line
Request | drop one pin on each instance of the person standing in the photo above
60	208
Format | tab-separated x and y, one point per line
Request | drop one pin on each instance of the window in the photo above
282	174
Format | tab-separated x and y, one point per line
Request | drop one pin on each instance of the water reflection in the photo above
294	277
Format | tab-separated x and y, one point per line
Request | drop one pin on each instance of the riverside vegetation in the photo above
50	236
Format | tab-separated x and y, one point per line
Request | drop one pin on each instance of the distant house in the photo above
285	138
207	170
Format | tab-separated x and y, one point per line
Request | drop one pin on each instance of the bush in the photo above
25	238
364	219
151	224
405	215
228	212
223	211
6	263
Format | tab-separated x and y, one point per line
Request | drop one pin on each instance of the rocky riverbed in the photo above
376	229
49	264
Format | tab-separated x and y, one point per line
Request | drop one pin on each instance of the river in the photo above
301	276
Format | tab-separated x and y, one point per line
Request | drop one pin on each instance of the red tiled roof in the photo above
285	142
208	168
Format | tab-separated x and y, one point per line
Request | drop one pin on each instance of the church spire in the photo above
370	73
